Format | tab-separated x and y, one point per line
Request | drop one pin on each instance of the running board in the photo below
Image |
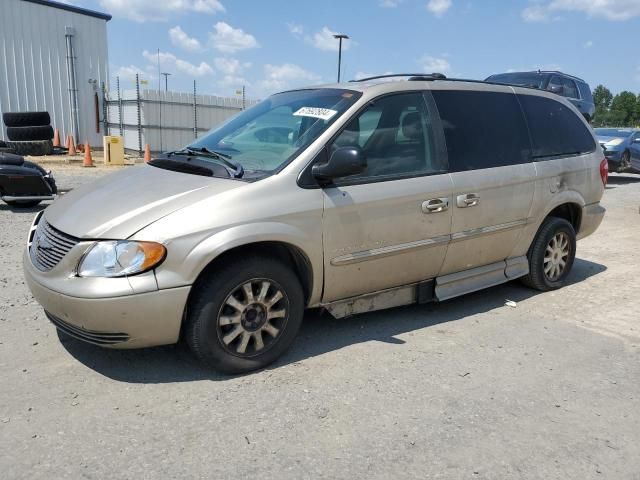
442	288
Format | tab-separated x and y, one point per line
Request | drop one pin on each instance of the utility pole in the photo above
340	37
166	76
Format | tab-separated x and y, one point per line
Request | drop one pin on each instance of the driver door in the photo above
388	226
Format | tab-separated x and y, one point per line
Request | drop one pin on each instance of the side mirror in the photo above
557	89
344	162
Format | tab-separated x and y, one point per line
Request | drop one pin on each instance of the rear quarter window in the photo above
482	129
585	92
555	129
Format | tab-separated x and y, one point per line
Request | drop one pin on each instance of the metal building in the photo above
53	57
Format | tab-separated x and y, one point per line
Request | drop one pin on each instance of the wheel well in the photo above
287	253
571	212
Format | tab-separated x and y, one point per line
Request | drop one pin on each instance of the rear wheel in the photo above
245	314
551	255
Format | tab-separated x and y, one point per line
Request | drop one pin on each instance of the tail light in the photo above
604	171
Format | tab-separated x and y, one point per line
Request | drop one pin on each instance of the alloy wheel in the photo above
556	256
252	317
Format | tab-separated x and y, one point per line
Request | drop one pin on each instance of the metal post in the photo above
243	98
105	110
139	114
340	37
120	108
69	33
195	112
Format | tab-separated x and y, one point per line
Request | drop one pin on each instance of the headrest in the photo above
411	126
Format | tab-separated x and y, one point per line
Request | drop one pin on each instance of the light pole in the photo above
340	37
166	76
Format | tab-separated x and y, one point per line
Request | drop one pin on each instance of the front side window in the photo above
270	134
555	129
482	129
396	136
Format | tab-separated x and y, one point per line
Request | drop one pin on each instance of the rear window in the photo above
555	129
482	129
526	79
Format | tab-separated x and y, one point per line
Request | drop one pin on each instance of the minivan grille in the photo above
49	245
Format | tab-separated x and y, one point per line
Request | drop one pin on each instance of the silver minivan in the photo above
352	197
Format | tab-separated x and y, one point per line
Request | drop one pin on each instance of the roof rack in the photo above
412	77
431	77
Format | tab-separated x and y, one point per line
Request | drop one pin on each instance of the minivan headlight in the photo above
119	258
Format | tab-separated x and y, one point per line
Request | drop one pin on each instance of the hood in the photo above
118	205
602	139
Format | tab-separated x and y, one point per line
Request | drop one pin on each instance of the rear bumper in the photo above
592	216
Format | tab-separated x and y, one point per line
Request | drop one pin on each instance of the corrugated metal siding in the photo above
33	69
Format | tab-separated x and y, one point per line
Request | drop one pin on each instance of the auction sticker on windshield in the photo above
316	112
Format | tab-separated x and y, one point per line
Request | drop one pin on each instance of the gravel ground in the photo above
469	388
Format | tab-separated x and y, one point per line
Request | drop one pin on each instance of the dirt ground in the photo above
466	389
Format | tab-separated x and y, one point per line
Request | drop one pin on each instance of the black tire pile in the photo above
29	133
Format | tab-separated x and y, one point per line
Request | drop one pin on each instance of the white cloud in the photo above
180	39
439	7
232	71
288	75
616	10
128	73
169	62
389	3
295	29
158	10
588	44
323	40
229	40
435	64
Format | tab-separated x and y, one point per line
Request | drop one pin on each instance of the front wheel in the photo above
551	255
625	162
245	314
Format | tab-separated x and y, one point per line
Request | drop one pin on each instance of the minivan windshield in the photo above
526	79
269	135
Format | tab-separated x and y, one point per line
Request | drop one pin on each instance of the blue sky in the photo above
270	45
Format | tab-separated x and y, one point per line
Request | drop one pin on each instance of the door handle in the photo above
435	205
467	200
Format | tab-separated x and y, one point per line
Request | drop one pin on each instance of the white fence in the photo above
165	120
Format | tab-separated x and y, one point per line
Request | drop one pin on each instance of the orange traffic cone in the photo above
147	153
88	161
72	146
56	138
67	142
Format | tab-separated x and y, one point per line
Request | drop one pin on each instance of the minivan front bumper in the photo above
109	318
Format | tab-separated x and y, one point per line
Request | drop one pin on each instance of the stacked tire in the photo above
29	133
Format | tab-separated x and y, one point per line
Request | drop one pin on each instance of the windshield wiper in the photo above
235	169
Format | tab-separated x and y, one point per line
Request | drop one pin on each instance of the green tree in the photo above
602	98
626	106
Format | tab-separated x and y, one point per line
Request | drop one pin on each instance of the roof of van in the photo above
541	72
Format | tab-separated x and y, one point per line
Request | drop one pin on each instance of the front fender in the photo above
184	269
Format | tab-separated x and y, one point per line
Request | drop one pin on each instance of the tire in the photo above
543	275
220	345
23	203
625	162
35	148
26	119
22	134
